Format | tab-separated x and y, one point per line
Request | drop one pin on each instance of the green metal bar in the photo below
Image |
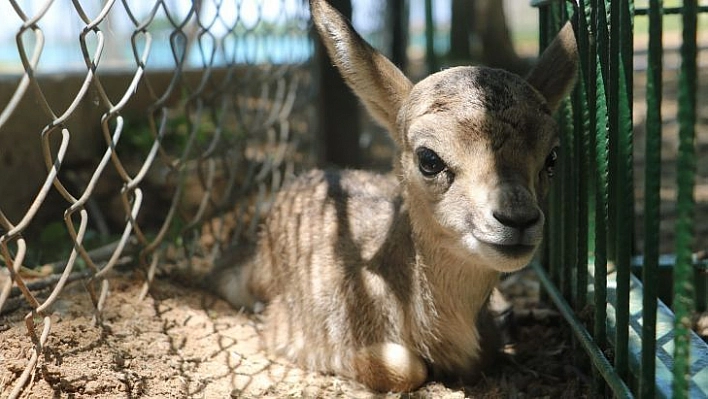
570	197
588	62
550	27
555	247
668	10
621	190
652	200
686	166
570	200
581	112
600	154
612	83
549	233
582	167
556	231
568	204
597	357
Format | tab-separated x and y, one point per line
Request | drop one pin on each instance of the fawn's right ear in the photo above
557	69
379	84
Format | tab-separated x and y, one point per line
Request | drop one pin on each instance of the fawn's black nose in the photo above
518	218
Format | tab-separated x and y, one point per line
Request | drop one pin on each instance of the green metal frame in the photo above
589	253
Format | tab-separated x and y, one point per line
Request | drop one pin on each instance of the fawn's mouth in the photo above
514	250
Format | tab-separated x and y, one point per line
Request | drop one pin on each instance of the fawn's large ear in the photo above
379	84
556	70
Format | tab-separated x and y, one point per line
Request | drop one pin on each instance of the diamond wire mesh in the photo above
227	116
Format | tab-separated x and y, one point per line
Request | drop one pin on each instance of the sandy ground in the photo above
181	342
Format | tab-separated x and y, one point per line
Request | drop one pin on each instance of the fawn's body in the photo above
386	279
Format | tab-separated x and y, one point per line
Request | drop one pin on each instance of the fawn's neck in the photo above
457	288
458	281
457	277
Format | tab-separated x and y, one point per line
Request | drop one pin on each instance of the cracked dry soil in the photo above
180	342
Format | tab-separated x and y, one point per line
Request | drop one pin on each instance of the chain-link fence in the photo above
125	125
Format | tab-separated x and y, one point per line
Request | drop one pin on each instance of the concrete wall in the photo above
22	165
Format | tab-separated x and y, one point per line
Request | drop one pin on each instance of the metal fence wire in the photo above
189	108
630	286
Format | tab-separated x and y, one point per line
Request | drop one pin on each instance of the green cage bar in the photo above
652	199
636	344
686	166
580	126
600	155
620	162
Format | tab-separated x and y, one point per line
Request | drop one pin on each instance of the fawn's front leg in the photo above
389	367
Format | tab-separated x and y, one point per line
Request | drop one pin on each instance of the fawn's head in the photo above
477	145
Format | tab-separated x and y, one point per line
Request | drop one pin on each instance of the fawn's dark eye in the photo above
550	164
429	163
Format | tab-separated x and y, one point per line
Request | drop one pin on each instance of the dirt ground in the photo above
182	342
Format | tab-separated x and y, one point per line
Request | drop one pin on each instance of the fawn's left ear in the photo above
379	84
557	69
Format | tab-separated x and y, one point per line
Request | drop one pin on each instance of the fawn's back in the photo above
386	278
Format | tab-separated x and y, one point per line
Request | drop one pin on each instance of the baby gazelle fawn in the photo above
386	278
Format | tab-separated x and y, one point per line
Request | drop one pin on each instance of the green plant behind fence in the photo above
637	345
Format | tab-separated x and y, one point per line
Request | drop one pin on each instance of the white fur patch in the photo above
491	257
397	357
